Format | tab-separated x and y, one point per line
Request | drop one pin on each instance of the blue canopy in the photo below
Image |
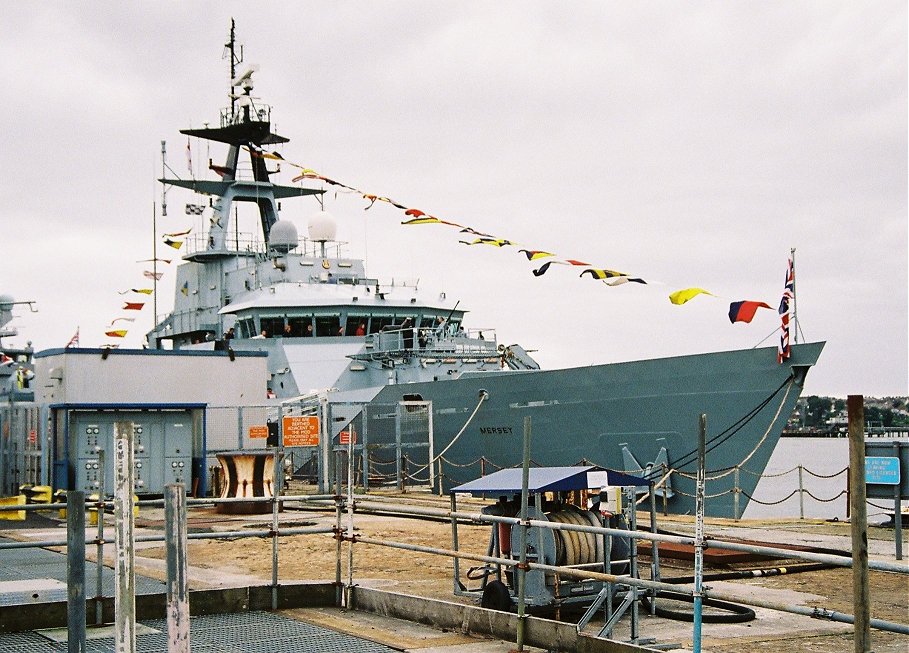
549	479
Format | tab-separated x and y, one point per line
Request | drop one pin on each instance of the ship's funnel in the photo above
322	227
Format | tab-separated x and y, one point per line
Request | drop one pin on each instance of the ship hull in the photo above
587	415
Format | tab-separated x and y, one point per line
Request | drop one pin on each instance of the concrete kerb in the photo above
543	633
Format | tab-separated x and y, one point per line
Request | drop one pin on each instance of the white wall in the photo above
149	377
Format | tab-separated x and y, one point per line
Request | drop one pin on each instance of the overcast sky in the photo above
690	144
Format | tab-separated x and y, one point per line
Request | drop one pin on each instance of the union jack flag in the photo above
785	350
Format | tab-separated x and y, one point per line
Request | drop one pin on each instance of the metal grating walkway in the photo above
24	566
248	632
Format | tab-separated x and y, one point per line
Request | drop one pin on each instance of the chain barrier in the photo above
771	503
462	465
706	496
379	463
788	471
843	492
487	461
483	461
844	469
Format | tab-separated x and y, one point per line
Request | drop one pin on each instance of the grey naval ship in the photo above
329	327
16	367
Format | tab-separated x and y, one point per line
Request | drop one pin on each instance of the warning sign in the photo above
301	431
258	431
349	436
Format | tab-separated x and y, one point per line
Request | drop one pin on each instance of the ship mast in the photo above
244	126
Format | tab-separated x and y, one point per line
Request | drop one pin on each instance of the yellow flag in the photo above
679	297
116	333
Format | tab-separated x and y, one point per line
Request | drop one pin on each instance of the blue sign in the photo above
882	470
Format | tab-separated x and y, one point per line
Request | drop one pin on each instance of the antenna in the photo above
231	51
163	174
795	320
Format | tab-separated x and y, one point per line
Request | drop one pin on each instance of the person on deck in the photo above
407	333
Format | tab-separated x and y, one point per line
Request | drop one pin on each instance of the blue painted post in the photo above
699	534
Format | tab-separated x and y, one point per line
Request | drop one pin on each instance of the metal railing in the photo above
351	504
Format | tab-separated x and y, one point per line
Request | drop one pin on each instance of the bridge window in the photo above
272	326
328	325
379	322
298	326
355	324
246	328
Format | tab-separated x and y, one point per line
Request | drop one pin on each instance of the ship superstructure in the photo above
16	368
332	330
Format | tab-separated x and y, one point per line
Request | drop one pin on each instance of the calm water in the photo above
821	456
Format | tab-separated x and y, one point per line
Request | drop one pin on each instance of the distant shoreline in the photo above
877	432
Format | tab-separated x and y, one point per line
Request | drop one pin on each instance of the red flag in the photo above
744	311
133	306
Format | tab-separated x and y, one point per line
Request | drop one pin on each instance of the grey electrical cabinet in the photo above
162	449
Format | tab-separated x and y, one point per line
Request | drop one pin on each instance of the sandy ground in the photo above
314	557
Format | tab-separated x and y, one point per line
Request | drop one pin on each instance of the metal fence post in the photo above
665	490
801	494
736	492
125	596
432	450
897	510
522	568
99	547
177	586
699	533
350	516
276	484
75	571
398	472
365	447
848	491
861	634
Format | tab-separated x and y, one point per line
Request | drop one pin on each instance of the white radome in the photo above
322	226
283	236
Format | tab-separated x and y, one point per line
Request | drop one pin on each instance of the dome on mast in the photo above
283	236
322	227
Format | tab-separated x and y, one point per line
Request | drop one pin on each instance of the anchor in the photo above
652	470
